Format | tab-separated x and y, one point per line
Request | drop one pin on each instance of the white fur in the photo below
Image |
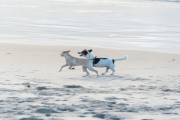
108	63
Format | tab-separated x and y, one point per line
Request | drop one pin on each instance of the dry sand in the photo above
146	86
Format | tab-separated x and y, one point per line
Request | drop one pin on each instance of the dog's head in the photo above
84	52
64	52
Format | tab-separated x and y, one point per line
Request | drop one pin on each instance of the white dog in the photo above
100	62
73	61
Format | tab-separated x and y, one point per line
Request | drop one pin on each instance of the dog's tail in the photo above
123	58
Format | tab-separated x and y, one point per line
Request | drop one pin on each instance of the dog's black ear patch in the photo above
84	52
90	50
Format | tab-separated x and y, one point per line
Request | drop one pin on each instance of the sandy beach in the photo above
144	87
33	33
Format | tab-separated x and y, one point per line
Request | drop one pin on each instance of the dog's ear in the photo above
90	50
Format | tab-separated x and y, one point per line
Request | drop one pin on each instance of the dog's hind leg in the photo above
63	66
107	68
113	70
85	70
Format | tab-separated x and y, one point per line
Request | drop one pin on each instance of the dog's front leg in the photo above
92	69
63	66
85	70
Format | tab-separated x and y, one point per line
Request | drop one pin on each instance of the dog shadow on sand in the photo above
100	77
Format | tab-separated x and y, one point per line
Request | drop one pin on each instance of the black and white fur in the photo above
101	62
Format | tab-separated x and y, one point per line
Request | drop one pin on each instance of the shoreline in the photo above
88	46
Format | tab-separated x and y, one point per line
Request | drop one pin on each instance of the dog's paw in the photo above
86	75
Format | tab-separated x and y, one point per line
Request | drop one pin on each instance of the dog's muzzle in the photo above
80	54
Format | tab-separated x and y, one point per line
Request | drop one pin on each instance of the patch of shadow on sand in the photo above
166	108
41	88
140	79
72	86
31	118
94	105
115	99
170	113
64	107
66	90
113	104
106	116
170	90
46	111
169	110
111	98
